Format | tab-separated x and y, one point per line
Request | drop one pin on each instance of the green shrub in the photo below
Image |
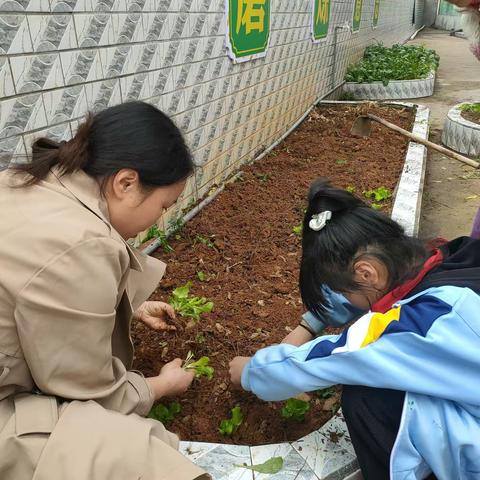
400	62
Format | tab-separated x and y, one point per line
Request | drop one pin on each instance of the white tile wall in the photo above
60	58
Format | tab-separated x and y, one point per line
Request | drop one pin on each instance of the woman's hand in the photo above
172	380
156	315
236	368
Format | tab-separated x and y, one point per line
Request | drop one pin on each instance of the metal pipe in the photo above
345	26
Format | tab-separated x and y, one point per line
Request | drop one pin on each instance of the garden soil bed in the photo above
253	269
472	117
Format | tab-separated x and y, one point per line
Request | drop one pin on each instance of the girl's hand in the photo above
236	368
156	315
172	380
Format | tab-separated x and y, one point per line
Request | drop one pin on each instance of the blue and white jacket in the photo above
427	345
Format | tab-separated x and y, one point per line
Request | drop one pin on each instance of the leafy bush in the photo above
470	107
400	62
187	306
230	426
295	409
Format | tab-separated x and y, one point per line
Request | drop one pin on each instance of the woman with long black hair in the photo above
70	405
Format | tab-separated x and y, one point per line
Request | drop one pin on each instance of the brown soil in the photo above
253	269
472	116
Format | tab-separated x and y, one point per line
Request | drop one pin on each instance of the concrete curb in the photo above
460	134
395	90
316	456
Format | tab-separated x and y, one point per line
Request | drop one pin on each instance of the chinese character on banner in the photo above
376	13
248	28
320	19
357	15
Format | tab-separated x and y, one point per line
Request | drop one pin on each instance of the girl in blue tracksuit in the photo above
410	364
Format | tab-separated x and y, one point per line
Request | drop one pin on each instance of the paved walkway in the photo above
446	211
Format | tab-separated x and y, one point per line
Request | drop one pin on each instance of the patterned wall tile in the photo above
37	72
52	32
6	80
14	34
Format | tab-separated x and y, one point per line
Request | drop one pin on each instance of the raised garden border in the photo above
395	90
316	456
460	134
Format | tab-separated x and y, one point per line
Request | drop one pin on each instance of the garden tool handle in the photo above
427	143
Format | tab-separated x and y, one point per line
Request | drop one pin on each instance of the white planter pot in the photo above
460	134
395	90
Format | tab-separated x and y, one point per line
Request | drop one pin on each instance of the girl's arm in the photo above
338	313
425	347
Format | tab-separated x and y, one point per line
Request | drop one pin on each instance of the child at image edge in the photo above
409	364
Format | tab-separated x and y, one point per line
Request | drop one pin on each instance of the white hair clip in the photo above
319	220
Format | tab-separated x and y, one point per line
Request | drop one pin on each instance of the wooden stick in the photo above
427	143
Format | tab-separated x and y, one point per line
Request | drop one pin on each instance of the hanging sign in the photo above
320	19
376	13
357	15
247	29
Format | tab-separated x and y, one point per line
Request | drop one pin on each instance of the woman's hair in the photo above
132	135
354	231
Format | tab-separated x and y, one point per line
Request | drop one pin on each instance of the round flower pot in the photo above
460	134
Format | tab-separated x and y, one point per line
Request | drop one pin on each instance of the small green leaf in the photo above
326	392
271	466
201	276
298	229
341	162
350	189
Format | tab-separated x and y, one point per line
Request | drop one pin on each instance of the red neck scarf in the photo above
385	303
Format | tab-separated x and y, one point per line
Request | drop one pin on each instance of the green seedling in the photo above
376	206
326	393
298	229
379	194
341	162
176	227
186	306
200	367
201	276
230	426
160	235
295	409
350	189
204	241
264	178
271	466
165	414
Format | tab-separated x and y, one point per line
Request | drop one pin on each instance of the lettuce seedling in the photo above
230	426
201	367
161	236
164	413
186	306
298	229
379	194
295	409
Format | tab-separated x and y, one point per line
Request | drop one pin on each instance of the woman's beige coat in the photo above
70	407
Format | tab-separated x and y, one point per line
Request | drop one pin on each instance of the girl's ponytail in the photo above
68	157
